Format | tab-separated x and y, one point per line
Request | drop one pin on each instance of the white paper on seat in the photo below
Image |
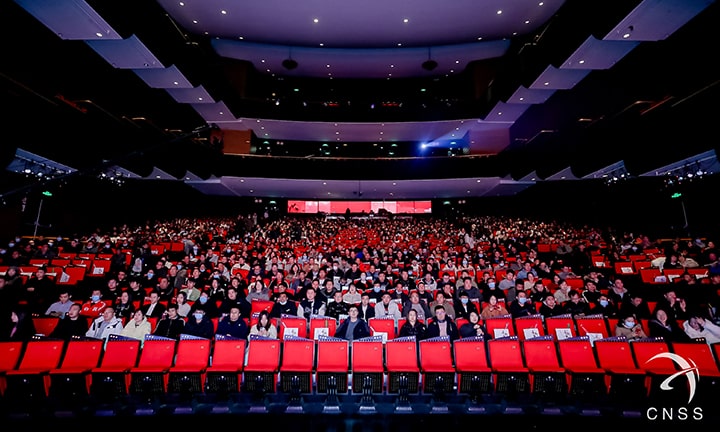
321	331
594	336
531	332
563	333
383	335
501	332
290	331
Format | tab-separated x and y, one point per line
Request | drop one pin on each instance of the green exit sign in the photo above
676	195
47	193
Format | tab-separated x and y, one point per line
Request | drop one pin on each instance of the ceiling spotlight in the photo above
289	64
429	65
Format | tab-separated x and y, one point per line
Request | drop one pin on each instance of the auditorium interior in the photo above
582	112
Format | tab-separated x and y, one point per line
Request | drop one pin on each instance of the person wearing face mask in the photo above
629	327
95	306
522	306
208	305
492	289
199	324
605	308
377	292
463	306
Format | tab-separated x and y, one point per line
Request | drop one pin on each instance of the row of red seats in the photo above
124	366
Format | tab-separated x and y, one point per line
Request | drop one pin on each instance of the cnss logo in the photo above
689	371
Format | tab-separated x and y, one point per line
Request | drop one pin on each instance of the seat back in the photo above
292	322
541	353
228	354
258	306
263	355
382	325
368	355
558	326
577	354
41	355
506	354
157	354
82	354
298	354
527	327
192	354
333	355
436	355
402	355
10	352
322	326
614	354
592	324
120	354
470	355
700	354
652	275
44	325
499	325
644	352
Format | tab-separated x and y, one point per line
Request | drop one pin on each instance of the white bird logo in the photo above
687	368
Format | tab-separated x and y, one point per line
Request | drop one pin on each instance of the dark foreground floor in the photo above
348	413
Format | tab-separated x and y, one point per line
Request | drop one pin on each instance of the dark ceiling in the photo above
646	102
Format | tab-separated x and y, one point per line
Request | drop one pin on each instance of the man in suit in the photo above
154	309
366	310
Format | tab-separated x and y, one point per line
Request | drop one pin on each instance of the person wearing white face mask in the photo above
200	325
522	306
94	307
629	327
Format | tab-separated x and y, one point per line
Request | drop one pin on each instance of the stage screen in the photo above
359	207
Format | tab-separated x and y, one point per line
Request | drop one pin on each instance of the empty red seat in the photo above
367	364
296	368
31	377
224	374
263	361
436	365
333	365
72	377
403	371
471	365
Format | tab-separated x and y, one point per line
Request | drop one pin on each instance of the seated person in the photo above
171	325
200	325
629	327
353	328
71	325
413	326
95	306
336	307
233	325
264	326
474	328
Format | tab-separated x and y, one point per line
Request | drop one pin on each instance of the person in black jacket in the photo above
353	328
474	328
171	325
413	327
442	325
200	325
71	325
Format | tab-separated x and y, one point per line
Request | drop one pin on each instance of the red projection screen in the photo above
340	207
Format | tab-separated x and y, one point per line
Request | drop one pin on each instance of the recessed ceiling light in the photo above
315	20
223	12
406	20
499	12
195	22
